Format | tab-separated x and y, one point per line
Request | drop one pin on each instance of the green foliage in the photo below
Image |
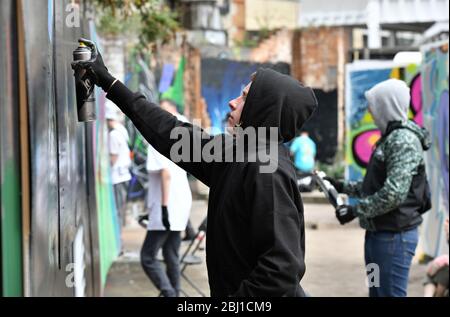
253	39
247	42
115	23
156	25
151	20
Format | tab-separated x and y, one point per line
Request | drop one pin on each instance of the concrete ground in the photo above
334	259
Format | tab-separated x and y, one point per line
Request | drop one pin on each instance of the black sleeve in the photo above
276	234
156	125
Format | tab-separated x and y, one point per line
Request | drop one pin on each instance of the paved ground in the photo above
334	259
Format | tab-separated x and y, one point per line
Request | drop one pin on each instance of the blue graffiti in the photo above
361	82
223	84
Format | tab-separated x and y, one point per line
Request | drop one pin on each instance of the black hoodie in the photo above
255	231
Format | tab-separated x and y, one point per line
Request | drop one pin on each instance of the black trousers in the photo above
168	282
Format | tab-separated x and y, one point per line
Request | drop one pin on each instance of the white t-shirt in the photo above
180	196
118	145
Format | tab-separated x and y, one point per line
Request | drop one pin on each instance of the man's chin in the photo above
229	129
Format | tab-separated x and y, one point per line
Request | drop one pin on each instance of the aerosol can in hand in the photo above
84	86
328	189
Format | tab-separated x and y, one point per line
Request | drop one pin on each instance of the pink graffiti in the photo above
363	145
416	99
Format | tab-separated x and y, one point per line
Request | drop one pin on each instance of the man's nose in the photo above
232	104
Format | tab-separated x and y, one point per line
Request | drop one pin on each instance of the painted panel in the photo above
435	109
70	182
10	211
108	222
44	253
361	132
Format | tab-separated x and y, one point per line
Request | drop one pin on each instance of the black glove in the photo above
165	217
336	184
345	214
95	67
142	219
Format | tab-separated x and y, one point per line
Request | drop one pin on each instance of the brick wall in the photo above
277	48
237	30
316	56
195	105
319	56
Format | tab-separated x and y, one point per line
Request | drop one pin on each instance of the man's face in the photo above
236	106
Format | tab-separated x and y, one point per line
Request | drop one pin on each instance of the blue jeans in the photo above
168	282
392	254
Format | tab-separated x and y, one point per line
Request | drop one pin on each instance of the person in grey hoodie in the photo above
394	193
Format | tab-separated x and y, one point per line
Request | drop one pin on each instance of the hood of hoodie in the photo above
421	133
389	101
277	100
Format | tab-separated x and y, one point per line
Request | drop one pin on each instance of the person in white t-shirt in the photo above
169	201
119	153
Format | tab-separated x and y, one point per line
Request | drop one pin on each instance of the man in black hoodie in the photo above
255	230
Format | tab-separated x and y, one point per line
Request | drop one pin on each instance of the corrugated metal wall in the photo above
59	176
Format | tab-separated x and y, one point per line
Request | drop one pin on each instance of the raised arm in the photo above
161	129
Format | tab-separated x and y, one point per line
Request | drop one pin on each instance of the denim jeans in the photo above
168	282
392	253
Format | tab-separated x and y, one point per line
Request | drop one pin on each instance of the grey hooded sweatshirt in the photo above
389	101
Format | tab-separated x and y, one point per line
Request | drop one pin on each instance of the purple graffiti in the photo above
416	99
442	130
363	145
166	77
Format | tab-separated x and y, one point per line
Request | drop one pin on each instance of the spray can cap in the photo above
81	44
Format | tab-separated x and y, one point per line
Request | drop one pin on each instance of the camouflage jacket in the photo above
402	153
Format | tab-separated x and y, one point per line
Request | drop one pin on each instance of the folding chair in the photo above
189	258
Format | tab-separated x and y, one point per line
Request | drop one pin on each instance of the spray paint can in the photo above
85	101
328	189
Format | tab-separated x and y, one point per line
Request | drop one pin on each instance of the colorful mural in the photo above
176	91
108	222
362	134
435	117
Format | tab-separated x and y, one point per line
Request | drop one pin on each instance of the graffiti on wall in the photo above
435	117
108	221
223	80
362	133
